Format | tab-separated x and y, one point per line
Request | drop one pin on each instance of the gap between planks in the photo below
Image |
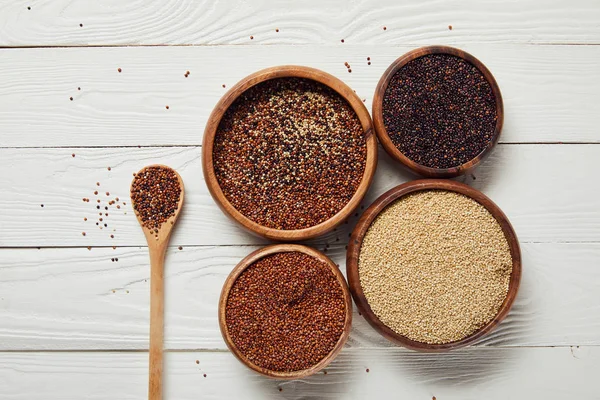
199	145
207	350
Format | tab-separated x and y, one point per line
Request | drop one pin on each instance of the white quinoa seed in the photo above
435	266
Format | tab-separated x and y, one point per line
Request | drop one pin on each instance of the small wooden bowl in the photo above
247	262
369	216
384	137
288	71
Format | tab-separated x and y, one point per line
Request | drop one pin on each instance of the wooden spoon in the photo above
157	246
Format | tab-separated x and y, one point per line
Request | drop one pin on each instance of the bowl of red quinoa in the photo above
285	311
433	265
289	152
438	111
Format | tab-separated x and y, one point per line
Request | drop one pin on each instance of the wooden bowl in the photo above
384	137
369	216
227	100
251	259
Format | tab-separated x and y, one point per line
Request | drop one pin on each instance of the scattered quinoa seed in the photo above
450	27
119	69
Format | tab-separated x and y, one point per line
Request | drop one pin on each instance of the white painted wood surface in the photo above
75	299
500	374
549	92
521	179
74	324
150	22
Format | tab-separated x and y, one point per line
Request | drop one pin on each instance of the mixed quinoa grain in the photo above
435	266
286	312
289	153
155	193
439	111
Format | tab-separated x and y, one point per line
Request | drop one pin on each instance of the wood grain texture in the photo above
545	201
469	374
551	93
232	95
384	137
75	299
171	22
247	262
390	197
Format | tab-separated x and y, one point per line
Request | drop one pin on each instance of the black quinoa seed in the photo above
289	153
440	111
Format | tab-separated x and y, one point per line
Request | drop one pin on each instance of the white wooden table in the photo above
74	324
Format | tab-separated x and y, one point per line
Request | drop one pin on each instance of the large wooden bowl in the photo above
369	216
251	259
384	137
286	72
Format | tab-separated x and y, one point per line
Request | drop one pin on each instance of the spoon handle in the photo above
157	263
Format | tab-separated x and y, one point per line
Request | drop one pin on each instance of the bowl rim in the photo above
386	141
288	71
376	208
247	262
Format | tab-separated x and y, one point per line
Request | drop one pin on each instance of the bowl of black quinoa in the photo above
289	152
438	111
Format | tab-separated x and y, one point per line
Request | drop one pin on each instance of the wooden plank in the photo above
88	22
549	193
75	299
551	93
472	374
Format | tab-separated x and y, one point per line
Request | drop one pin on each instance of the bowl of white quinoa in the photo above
433	265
